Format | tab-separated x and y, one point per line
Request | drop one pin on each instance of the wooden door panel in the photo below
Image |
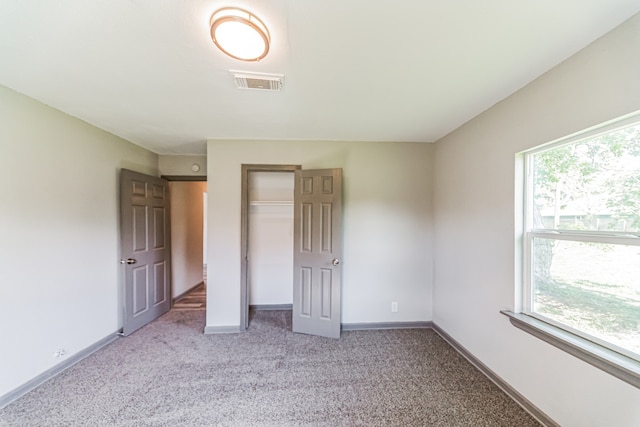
307	185
326	230
144	204
326	284
159	191
160	291
139	229
140	290
307	219
327	184
317	242
305	291
138	188
160	227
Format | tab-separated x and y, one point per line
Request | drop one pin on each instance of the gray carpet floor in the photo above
170	374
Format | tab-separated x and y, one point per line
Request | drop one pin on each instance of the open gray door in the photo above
317	252
144	209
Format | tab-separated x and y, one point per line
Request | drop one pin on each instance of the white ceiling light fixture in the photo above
240	34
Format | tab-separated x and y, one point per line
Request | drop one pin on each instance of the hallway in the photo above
195	299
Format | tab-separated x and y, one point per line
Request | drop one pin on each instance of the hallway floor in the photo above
195	299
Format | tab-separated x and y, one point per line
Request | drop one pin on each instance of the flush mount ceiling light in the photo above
240	34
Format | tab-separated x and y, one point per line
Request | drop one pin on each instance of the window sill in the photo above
616	364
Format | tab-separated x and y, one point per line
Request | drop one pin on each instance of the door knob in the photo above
335	261
128	261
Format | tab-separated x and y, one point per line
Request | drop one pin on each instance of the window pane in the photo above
591	287
592	184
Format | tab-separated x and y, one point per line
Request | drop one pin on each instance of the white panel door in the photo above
317	252
144	208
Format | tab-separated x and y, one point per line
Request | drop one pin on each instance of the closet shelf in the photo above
271	203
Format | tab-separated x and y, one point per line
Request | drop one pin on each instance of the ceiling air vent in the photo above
258	81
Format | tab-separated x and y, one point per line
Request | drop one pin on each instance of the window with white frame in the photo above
582	235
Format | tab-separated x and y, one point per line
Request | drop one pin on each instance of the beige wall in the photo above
60	281
386	224
186	234
182	165
475	253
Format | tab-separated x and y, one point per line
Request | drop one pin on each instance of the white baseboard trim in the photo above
502	384
47	375
385	325
212	330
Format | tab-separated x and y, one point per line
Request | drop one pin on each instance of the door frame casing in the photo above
244	232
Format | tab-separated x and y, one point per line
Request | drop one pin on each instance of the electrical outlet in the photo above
59	352
394	307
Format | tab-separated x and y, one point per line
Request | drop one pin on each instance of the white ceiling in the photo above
355	70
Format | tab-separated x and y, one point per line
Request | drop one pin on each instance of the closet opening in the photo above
267	238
